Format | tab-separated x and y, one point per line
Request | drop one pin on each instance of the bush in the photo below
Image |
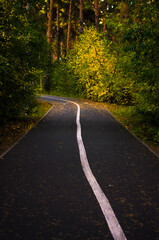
94	62
22	50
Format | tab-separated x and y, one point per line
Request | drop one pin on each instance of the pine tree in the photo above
96	9
81	15
69	26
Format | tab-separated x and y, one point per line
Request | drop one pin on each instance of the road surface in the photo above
45	193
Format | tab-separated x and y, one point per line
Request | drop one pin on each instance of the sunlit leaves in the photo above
91	61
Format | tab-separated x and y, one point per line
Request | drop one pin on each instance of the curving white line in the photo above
106	208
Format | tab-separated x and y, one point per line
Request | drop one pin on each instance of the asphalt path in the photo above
45	195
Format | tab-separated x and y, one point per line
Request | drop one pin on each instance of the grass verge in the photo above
132	120
11	131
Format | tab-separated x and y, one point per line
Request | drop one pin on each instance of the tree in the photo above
96	9
22	54
50	17
69	26
58	31
49	39
81	15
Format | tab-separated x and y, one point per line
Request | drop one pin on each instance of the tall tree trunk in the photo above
50	15
124	11
58	32
81	15
96	9
49	39
104	24
69	26
104	14
105	27
28	8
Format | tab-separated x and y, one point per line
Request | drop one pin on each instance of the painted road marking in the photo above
106	208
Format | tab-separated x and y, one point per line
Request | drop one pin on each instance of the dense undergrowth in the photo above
23	57
101	70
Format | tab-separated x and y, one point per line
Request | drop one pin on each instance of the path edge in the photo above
17	142
148	147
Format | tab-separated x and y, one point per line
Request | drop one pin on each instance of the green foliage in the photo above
134	32
143	41
63	80
135	122
22	51
121	65
94	69
95	64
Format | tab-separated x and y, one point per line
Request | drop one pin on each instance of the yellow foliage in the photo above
93	64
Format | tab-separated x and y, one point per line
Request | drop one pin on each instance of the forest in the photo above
102	50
